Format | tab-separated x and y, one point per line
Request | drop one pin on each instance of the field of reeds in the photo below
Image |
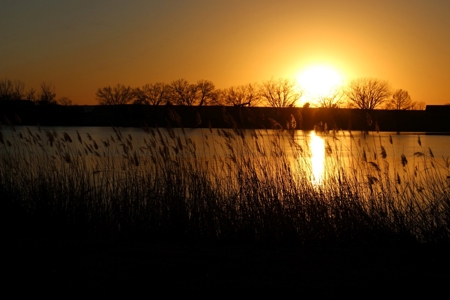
237	186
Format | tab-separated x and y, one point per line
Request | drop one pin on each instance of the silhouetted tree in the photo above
419	105
205	92
280	93
331	100
116	95
11	90
30	95
401	100
64	101
242	95
182	92
152	94
367	93
47	94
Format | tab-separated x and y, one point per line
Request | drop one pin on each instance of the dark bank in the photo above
436	118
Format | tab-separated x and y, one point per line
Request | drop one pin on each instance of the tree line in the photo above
275	93
362	93
12	90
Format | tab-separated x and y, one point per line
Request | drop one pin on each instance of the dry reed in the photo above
234	185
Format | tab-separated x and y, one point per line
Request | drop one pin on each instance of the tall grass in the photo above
232	185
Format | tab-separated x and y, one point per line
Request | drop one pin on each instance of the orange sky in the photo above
81	45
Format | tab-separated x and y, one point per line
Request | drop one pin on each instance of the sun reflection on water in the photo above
317	147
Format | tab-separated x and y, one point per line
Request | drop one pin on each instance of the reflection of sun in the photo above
317	146
319	81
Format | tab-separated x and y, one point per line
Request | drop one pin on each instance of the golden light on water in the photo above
317	148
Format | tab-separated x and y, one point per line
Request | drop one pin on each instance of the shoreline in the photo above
322	119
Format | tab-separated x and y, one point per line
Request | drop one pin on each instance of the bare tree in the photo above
332	99
367	93
18	90
117	95
280	93
152	94
182	92
242	95
30	95
401	100
206	92
47	94
419	105
64	101
11	90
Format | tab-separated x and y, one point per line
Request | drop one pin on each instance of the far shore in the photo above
433	120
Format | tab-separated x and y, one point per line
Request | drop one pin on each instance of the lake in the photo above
321	154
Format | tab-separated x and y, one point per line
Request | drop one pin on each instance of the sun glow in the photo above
319	81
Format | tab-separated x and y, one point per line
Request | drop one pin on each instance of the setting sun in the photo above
318	81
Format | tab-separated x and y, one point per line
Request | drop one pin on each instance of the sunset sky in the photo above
81	45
